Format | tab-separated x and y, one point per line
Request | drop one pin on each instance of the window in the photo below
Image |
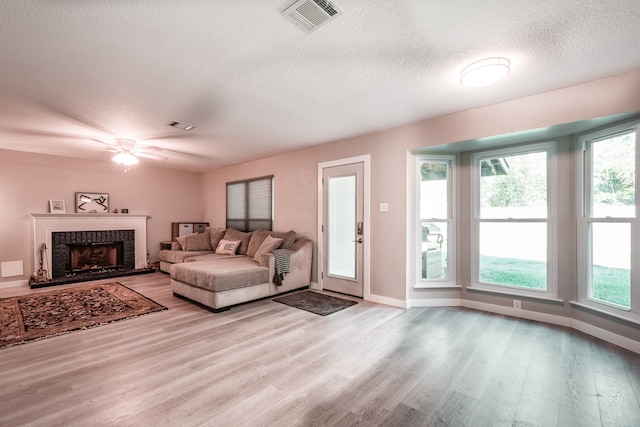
513	213
250	204
435	220
609	221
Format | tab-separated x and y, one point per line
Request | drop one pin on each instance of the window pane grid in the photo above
434	219
518	262
610	266
609	194
612	177
512	226
250	204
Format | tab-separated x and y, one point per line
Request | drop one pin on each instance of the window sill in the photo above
446	286
587	307
543	298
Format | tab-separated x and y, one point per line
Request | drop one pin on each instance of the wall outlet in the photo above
517	304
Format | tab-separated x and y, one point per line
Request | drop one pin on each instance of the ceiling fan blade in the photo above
33	132
150	156
80	120
149	148
109	144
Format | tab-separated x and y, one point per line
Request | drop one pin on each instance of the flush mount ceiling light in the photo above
182	125
484	72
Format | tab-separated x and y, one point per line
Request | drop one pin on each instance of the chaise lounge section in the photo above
219	280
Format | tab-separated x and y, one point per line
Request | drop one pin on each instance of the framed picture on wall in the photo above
56	206
87	202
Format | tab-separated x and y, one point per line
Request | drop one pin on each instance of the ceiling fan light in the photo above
485	72
125	158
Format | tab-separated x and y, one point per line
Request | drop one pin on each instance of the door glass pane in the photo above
514	254
611	263
433	190
342	227
514	186
434	251
614	177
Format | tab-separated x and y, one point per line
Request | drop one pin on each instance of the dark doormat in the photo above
315	302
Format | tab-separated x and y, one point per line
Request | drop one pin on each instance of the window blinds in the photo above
250	204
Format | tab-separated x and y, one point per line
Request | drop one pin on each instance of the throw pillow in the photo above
182	242
288	238
233	234
196	242
228	247
269	244
216	235
257	237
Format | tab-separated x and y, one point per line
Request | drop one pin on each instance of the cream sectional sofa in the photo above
219	280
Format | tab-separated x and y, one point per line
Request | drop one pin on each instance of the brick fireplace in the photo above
74	252
80	247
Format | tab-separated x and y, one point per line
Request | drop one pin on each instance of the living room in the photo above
29	180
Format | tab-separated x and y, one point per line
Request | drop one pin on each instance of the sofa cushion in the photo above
179	256
195	241
258	236
269	244
228	247
233	234
216	234
210	257
221	275
288	238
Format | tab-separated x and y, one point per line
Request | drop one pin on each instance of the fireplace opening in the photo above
95	256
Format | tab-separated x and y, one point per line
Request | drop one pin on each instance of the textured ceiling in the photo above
75	73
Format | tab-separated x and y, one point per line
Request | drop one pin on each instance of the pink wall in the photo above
28	181
296	173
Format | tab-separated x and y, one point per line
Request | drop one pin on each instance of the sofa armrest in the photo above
300	274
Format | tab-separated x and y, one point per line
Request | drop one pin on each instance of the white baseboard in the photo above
447	302
578	325
522	314
386	301
607	336
14	284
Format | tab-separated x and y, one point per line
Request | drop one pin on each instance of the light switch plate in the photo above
383	207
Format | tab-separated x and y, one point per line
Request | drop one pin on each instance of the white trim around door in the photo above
366	161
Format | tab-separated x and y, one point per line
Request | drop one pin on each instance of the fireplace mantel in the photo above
44	224
87	215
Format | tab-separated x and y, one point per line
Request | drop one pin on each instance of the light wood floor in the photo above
267	364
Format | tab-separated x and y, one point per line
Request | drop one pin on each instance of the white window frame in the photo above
584	192
450	280
550	292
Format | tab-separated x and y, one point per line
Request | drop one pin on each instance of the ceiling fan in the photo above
127	151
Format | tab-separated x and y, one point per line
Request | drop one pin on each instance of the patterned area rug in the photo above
315	302
45	314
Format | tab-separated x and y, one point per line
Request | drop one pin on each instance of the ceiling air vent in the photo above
311	14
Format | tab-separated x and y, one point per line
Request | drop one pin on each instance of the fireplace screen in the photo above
97	256
79	252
